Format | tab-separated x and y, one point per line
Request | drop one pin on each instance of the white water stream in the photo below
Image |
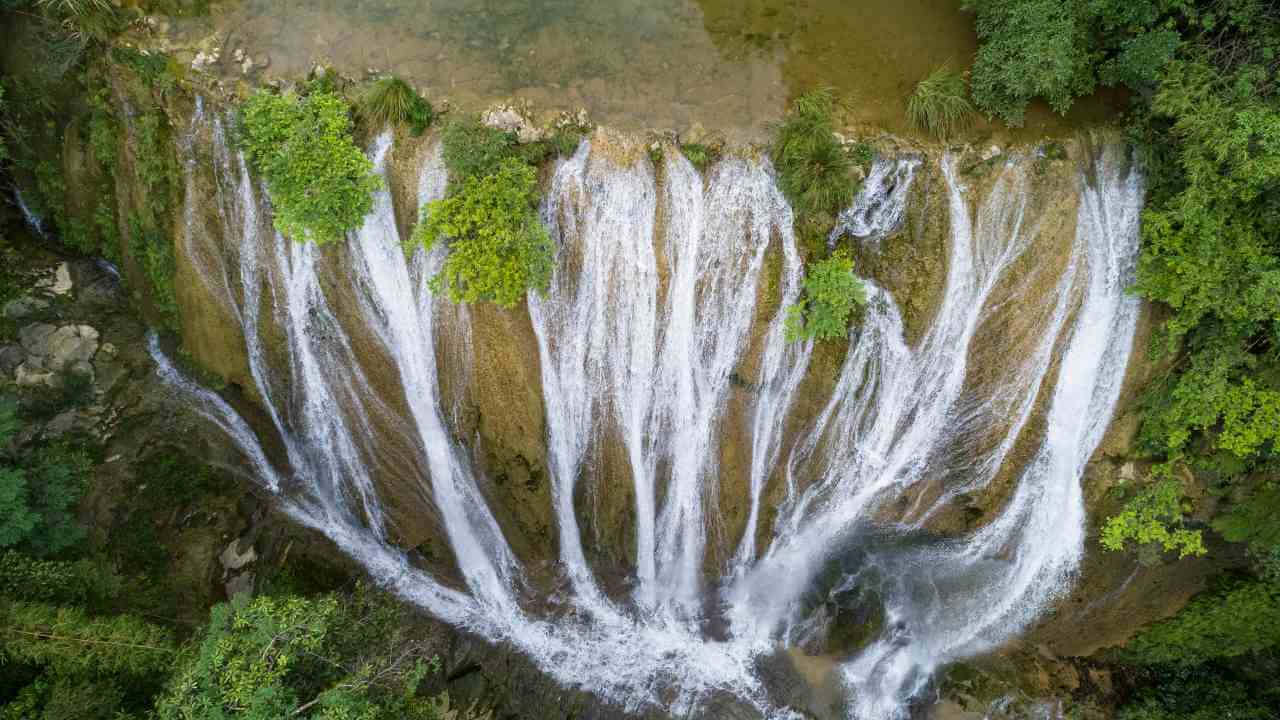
651	312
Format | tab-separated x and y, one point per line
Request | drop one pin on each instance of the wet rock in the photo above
508	119
11	356
109	375
242	583
32	374
1128	472
61	283
232	558
61	424
69	345
35	338
23	306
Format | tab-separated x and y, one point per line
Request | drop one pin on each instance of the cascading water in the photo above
670	291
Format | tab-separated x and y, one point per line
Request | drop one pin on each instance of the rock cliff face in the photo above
491	384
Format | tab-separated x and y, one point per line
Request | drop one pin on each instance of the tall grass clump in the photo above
391	101
940	105
813	167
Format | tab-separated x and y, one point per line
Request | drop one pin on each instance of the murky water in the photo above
729	64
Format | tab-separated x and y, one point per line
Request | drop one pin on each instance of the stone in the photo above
11	356
242	583
1128	472
35	337
991	152
246	66
233	559
61	283
71	344
22	307
28	375
262	60
61	424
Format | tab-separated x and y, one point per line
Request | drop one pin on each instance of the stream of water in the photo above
663	286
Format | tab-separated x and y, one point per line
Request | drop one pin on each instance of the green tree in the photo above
321	184
331	657
831	291
498	247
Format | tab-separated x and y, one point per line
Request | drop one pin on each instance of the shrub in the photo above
831	291
391	101
1154	520
498	247
472	149
278	657
321	184
153	252
939	104
813	167
701	156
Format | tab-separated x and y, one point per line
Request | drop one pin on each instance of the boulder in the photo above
22	307
35	338
233	559
11	356
71	344
32	374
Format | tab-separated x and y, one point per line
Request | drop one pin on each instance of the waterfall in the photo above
664	318
880	206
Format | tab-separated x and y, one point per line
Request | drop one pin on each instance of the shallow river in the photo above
728	64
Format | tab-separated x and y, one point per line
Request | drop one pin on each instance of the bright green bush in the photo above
940	105
1155	518
498	247
813	167
472	149
700	156
321	184
153	251
831	291
335	656
391	101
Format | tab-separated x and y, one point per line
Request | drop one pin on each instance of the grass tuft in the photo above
940	104
391	101
813	167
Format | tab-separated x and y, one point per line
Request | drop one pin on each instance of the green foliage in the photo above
1253	521
498	246
1233	621
700	156
1196	693
155	164
274	657
813	167
38	493
473	150
71	642
321	184
1156	517
158	72
1030	49
940	104
391	101
831	291
153	251
84	19
88	580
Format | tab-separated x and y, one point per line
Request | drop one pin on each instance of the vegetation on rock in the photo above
391	101
321	184
498	247
831	291
814	169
